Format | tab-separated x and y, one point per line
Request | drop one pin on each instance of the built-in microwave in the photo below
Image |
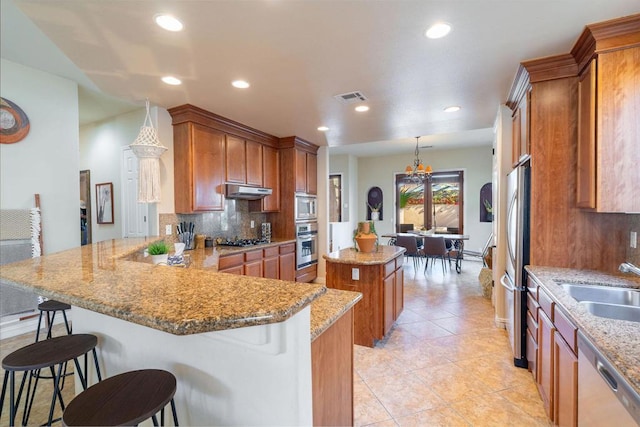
306	207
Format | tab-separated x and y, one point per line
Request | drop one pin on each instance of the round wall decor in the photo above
14	123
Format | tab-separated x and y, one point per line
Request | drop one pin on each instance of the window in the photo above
435	205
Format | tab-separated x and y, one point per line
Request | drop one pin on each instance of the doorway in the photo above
437	205
135	214
85	207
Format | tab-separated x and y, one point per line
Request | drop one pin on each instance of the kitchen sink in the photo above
603	294
613	311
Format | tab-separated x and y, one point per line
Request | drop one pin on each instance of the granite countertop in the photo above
180	301
329	307
382	255
617	340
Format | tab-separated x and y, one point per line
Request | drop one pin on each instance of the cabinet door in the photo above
586	184
545	362
387	302
271	177
208	169
239	270
301	171
565	392
253	268
254	163
271	267
288	266
399	293
516	128
312	171
236	160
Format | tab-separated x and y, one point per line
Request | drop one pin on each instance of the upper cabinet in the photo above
198	154
210	151
609	125
306	170
520	100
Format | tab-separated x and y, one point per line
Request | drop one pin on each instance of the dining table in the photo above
458	242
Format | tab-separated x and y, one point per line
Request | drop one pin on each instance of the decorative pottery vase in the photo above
160	259
365	238
375	216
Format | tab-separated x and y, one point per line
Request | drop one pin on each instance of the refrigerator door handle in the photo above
506	283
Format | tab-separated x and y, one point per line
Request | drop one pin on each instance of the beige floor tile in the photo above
373	362
366	406
443	416
403	395
452	383
526	397
492	410
425	329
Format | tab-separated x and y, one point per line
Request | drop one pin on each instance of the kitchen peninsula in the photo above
234	342
380	279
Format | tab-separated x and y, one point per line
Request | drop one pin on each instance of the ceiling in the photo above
298	55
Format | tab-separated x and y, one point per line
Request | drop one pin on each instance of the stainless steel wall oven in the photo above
306	244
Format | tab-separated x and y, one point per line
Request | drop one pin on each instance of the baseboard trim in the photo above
12	326
500	322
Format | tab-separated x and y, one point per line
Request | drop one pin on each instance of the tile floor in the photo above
444	363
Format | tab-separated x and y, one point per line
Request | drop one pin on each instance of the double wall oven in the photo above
306	230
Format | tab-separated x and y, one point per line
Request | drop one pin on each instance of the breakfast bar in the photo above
239	346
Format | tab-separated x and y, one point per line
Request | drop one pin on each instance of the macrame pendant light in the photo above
148	150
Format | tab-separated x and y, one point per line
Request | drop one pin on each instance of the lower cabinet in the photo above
274	262
307	274
556	359
332	374
382	288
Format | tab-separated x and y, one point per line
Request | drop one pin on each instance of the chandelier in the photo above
418	173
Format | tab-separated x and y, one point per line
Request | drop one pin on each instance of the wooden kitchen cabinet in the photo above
274	262
198	168
287	262
608	132
270	179
546	333
520	140
306	172
565	402
253	263
271	263
382	290
235	160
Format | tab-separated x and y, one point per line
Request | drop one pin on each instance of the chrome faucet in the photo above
627	267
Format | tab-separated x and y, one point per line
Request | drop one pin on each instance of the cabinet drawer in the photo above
532	306
271	252
532	325
399	261
253	255
532	354
532	288
230	261
546	303
566	328
389	268
288	248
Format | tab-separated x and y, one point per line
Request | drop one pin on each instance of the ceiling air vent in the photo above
350	97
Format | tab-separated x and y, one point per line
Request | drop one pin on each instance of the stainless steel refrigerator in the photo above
514	279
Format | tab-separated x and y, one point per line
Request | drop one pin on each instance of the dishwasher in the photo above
604	397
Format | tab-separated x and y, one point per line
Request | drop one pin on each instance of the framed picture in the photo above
104	202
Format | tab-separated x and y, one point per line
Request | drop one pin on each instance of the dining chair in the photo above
409	242
435	247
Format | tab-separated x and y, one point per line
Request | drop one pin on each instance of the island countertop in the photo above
617	340
382	255
181	301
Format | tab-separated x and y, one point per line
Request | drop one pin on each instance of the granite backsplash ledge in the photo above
234	221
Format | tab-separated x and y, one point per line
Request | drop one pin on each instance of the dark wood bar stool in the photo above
124	400
45	354
50	308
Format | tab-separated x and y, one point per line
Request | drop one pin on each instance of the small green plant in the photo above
488	206
158	248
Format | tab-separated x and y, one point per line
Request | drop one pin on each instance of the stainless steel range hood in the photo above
245	192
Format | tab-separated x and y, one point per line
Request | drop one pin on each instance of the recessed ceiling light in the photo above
452	109
168	22
240	84
323	128
170	80
438	30
362	108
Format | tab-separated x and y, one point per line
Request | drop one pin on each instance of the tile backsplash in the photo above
633	255
234	221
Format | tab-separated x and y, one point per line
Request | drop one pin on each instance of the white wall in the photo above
46	160
380	172
101	146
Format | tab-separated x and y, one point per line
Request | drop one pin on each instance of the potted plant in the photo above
365	238
489	209
159	252
375	211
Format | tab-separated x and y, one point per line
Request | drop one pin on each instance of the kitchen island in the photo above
379	277
240	346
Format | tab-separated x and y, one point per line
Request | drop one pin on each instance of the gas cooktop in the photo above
240	242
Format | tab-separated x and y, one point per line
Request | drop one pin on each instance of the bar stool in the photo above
45	354
125	399
51	307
